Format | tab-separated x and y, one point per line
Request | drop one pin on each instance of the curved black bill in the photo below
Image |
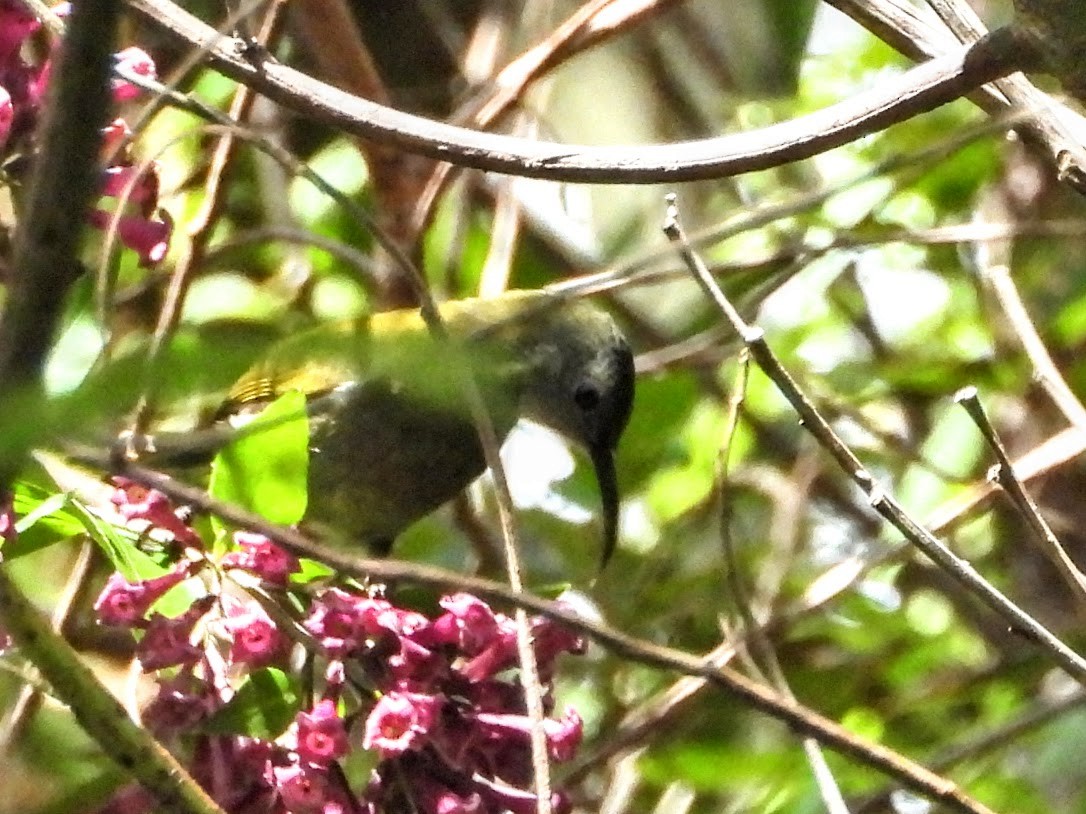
604	462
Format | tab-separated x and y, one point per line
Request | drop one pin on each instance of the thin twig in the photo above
505	227
993	268
761	649
1062	448
960	18
493	281
345	253
734	587
1004	475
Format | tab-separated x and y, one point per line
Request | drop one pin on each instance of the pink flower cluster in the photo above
435	698
22	85
449	725
140	224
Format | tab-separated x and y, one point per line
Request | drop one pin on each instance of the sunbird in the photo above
392	436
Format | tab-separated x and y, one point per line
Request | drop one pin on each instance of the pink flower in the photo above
309	790
182	702
234	771
506	798
7	115
500	653
345	622
487	641
415	667
140	225
303	790
334	620
434	798
134	61
166	642
124	603
321	736
150	239
549	640
563	734
144	187
256	639
16	24
452	735
449	802
133	500
262	557
468	622
114	136
335	676
136	502
401	721
7	519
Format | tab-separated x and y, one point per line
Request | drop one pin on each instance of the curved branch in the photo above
918	90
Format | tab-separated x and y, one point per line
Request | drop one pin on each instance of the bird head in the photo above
580	382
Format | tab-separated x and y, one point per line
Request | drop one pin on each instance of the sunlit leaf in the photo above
265	469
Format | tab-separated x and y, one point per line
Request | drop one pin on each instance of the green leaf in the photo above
48	517
35	506
312	570
118	545
44	519
265	470
265	704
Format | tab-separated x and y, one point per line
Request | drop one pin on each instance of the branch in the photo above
1003	474
919	90
1053	128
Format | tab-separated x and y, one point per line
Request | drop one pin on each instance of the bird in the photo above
392	436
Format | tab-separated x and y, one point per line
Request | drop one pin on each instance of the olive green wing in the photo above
392	349
313	362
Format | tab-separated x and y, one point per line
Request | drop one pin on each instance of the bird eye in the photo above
586	397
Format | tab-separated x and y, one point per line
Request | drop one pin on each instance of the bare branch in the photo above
919	90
